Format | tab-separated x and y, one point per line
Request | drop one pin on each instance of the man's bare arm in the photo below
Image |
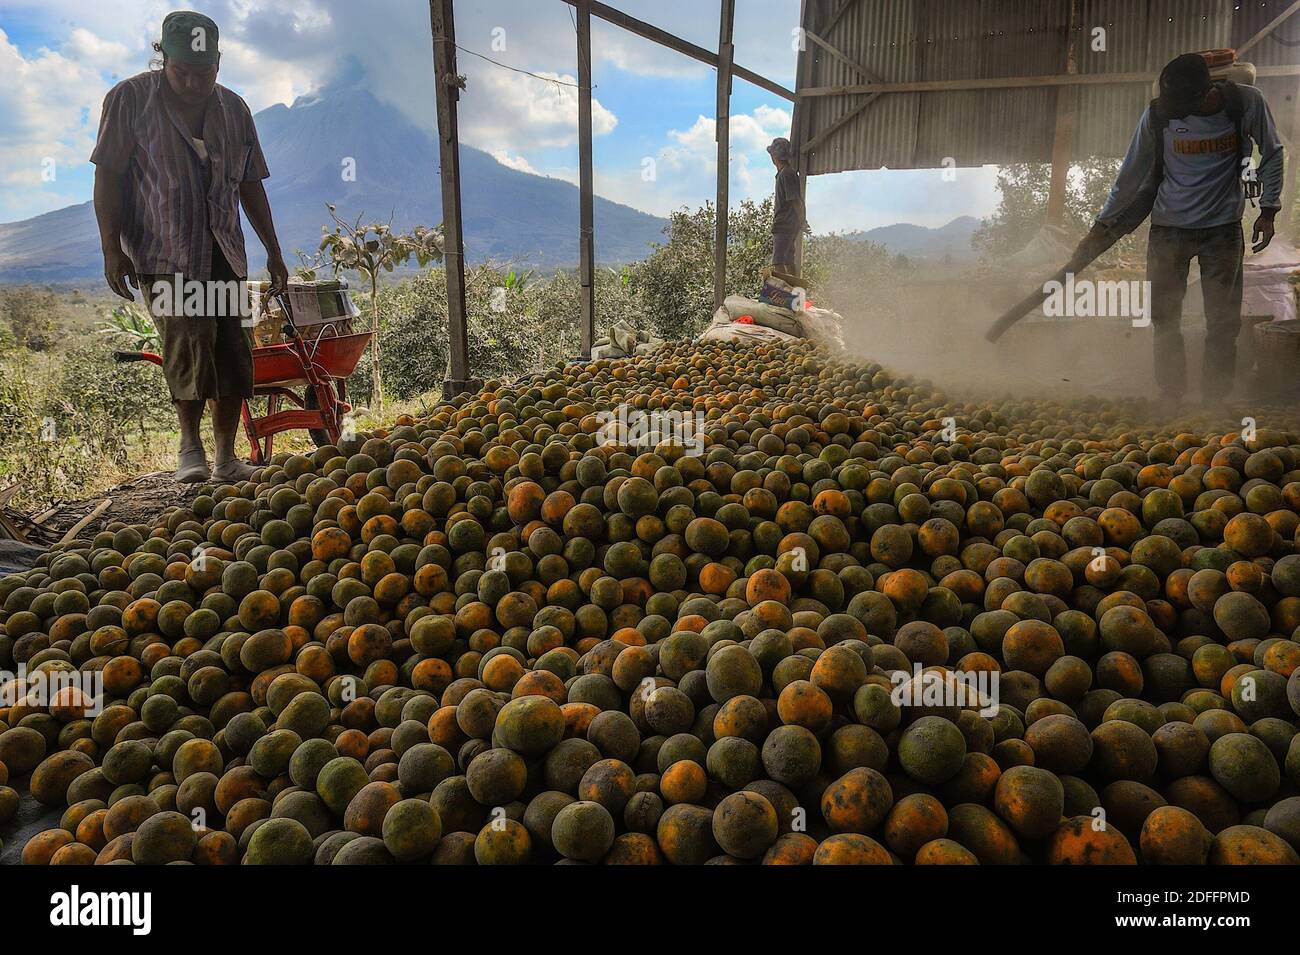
253	196
118	268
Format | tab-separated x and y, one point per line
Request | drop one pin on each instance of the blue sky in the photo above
59	57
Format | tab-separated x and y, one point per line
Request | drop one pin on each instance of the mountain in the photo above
920	242
508	215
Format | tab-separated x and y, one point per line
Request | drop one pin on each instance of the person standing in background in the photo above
788	219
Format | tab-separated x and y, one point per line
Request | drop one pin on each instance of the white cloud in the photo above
773	119
632	54
49	111
518	163
93	51
261	81
509	112
683	170
749	132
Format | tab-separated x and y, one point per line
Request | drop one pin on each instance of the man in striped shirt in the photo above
175	158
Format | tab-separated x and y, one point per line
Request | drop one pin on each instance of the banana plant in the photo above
131	325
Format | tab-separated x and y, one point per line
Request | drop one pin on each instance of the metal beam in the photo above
447	86
586	184
722	125
1273	25
647	31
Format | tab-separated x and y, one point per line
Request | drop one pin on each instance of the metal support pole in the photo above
586	227
447	86
1067	117
726	55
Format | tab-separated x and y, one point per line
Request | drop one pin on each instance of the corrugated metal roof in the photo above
1280	48
913	40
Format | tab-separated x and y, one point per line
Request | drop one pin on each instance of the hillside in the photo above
923	243
508	215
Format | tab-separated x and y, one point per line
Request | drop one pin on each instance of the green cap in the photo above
190	37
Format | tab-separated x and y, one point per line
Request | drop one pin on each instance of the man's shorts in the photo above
207	355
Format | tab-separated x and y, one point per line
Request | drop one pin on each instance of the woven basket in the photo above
1277	354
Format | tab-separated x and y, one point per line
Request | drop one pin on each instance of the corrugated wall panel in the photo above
909	40
881	37
1280	48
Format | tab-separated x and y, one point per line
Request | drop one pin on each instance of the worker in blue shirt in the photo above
1193	147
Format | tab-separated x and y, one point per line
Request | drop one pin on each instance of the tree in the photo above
29	313
1022	207
370	250
675	283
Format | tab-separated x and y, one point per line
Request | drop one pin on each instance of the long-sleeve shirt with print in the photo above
1203	168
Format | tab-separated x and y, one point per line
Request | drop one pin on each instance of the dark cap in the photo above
1183	83
780	149
190	37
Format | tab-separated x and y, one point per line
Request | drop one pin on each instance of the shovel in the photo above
1094	245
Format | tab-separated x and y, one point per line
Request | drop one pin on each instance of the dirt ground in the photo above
138	501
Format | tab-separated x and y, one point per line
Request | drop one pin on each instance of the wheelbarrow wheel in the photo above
319	436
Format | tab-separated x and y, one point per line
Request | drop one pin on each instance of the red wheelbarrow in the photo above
318	366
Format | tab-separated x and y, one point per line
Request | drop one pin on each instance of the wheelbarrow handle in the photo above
123	356
281	298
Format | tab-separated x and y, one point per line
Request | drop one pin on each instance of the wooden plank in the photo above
11	530
722	125
835	17
647	31
830	129
1273	25
447	91
992	83
75	529
45	515
843	57
1009	82
586	184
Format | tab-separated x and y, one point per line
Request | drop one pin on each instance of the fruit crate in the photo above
321	309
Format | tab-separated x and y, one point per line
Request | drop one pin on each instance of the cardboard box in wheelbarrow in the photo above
322	309
748	320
